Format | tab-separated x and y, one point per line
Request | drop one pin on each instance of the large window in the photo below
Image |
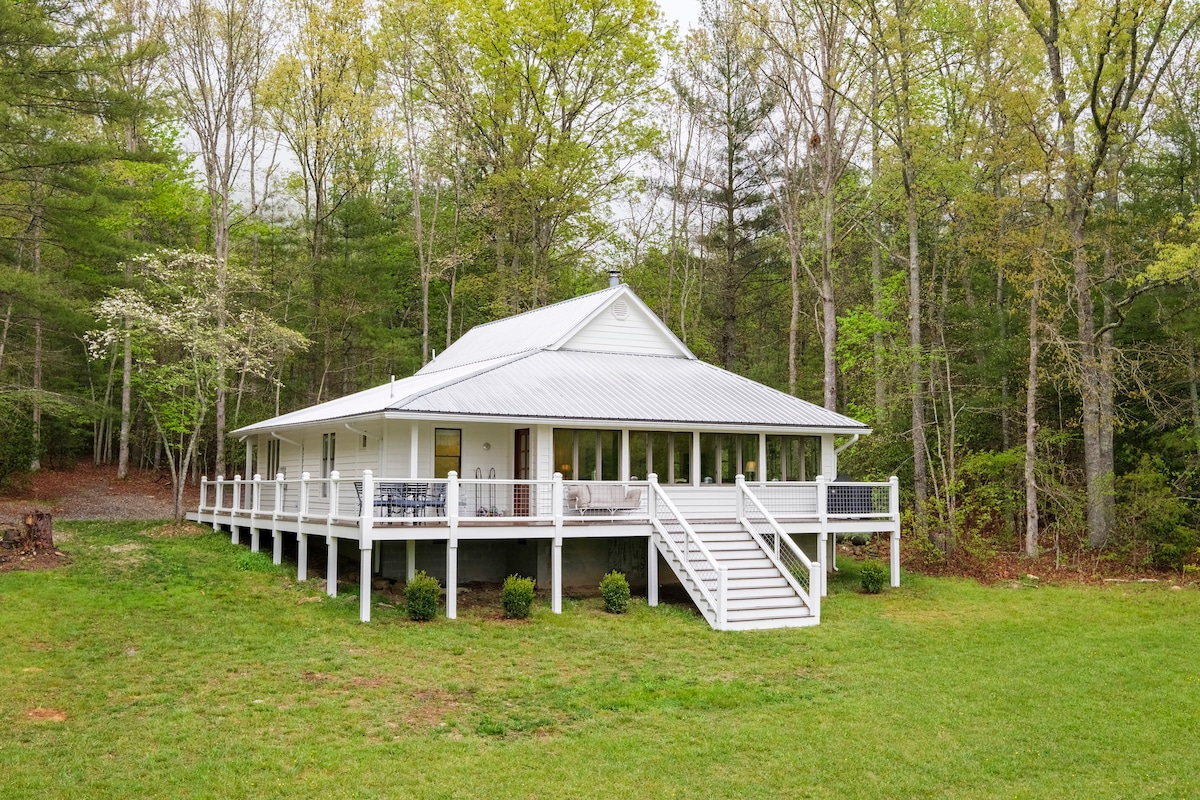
724	455
587	455
668	454
793	458
447	452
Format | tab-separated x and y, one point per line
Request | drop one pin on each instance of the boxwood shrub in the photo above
614	588
421	595
517	596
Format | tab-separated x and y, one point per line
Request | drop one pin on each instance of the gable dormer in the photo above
624	324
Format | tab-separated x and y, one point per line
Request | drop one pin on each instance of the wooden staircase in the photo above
757	595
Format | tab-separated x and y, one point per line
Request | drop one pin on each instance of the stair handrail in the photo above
811	597
715	600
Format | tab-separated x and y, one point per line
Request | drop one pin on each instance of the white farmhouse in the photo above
559	444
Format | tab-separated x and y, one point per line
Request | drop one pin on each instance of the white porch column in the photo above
760	474
894	498
625	470
249	457
414	443
696	458
365	546
823	535
556	502
452	546
410	559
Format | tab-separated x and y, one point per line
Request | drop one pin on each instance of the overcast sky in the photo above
685	12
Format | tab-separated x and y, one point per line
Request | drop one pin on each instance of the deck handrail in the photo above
782	550
717	595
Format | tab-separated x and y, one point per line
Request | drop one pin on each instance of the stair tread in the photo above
743	615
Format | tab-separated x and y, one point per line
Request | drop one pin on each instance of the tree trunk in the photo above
916	356
1031	426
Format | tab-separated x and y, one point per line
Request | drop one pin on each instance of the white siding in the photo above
828	457
637	333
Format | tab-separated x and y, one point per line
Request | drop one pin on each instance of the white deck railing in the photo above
706	574
801	572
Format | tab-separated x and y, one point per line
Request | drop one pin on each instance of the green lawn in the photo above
188	668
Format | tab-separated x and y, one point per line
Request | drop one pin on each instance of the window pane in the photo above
610	455
812	457
709	462
658	456
750	464
447	451
683	458
637	455
775	447
729	458
795	459
564	452
587	456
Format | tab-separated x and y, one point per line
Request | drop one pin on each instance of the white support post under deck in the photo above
365	546
276	536
894	493
302	537
651	556
410	560
255	486
452	545
330	539
237	505
556	502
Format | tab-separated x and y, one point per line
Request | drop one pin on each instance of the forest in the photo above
967	223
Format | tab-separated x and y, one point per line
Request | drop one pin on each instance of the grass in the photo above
190	667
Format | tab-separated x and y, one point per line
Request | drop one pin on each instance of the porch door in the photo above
521	472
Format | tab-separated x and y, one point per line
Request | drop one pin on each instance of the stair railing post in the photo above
823	535
722	582
203	494
651	549
217	500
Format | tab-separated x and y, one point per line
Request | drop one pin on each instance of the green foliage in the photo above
873	576
516	596
614	588
421	596
249	561
18	447
1152	511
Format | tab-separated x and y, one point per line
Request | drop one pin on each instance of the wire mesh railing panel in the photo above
859	499
787	499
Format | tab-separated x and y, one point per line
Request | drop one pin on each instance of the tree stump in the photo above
38	532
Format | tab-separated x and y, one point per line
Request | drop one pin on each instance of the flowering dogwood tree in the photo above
179	347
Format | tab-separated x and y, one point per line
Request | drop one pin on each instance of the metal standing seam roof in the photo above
522	333
508	368
578	385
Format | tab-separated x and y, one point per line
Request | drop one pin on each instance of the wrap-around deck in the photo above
725	542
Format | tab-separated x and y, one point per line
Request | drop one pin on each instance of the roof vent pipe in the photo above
614	278
392	388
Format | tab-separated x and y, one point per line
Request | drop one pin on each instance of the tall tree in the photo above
216	62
